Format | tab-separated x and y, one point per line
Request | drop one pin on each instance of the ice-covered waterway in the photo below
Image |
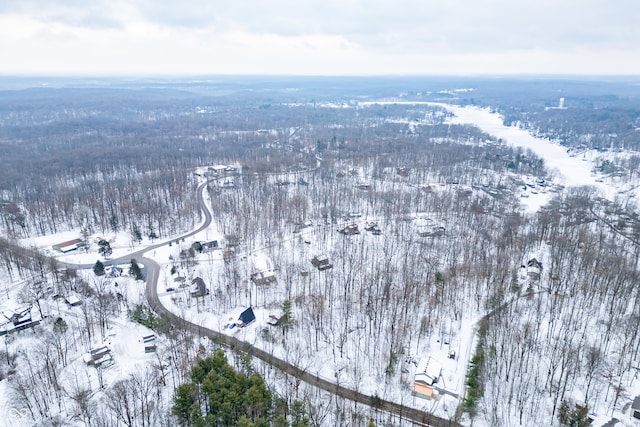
569	171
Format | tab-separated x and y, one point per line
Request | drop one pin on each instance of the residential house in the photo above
149	343
201	247
373	228
212	244
73	300
98	356
231	171
221	171
635	408
275	320
247	317
437	231
198	288
321	262
19	320
534	268
428	372
349	230
299	227
263	277
67	246
113	271
214	171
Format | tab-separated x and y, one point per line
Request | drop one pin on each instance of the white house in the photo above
428	372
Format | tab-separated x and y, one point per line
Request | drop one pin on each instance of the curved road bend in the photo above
417	416
134	255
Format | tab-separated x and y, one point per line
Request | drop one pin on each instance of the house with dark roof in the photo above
198	288
534	268
436	231
212	244
98	356
321	262
635	408
149	343
263	277
19	320
349	229
247	317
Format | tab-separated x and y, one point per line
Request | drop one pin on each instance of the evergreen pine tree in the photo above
134	270
98	268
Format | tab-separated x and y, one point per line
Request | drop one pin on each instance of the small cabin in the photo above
349	230
73	300
98	356
247	317
263	277
149	343
635	408
198	288
321	262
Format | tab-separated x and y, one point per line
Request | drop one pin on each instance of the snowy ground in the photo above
124	339
568	169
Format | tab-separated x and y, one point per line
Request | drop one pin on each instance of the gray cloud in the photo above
461	26
435	26
372	28
94	14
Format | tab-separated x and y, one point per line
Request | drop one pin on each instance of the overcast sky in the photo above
319	37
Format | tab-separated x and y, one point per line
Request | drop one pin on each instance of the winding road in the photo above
416	416
125	259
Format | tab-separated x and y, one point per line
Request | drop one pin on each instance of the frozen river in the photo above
567	170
